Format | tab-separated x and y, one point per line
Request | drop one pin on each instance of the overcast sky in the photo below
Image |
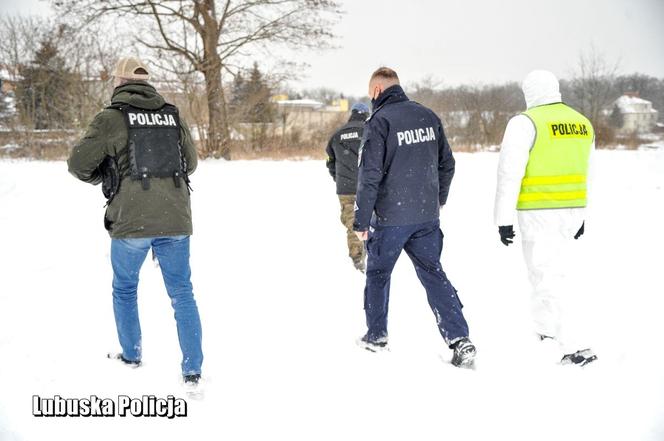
476	41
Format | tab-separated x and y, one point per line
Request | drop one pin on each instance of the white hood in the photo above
541	87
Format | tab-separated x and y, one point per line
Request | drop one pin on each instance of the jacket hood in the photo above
541	87
138	94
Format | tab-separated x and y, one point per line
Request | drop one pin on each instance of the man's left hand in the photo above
506	234
362	235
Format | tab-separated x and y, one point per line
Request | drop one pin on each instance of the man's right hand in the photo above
506	234
362	235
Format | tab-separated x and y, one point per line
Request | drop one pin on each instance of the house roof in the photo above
632	104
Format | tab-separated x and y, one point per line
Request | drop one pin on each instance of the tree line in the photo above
476	116
199	45
203	53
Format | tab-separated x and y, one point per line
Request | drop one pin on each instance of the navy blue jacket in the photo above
342	151
406	164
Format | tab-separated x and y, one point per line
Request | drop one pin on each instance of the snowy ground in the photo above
281	307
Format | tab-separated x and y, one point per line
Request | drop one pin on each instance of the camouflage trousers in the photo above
355	246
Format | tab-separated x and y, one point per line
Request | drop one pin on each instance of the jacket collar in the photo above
138	94
357	116
393	94
133	86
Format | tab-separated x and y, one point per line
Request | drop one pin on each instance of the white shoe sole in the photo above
370	347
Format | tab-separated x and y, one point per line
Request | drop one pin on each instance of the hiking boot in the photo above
579	358
373	345
120	357
191	380
464	353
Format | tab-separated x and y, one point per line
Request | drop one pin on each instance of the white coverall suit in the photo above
547	233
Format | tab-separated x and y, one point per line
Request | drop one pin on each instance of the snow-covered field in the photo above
281	307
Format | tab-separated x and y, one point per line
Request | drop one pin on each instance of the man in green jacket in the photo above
142	154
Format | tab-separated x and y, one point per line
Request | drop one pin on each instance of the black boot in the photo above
120	357
464	353
373	344
192	380
579	358
193	386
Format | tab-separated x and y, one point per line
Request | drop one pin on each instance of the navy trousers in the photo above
424	245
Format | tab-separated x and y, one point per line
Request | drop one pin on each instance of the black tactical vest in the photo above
153	144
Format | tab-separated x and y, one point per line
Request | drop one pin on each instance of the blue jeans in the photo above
127	257
424	245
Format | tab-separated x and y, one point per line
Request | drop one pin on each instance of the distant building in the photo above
309	105
303	105
307	115
280	97
339	105
632	114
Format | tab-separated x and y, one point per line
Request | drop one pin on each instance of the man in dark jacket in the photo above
142	153
406	167
342	152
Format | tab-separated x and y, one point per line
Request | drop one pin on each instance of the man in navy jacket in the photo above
406	167
342	158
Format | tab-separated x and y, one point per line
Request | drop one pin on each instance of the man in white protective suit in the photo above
543	176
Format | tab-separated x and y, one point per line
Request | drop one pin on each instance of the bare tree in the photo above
19	39
209	34
88	55
592	85
187	91
92	57
474	115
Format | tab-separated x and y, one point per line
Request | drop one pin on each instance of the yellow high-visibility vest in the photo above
558	165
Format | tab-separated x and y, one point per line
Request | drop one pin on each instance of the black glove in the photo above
581	231
506	234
